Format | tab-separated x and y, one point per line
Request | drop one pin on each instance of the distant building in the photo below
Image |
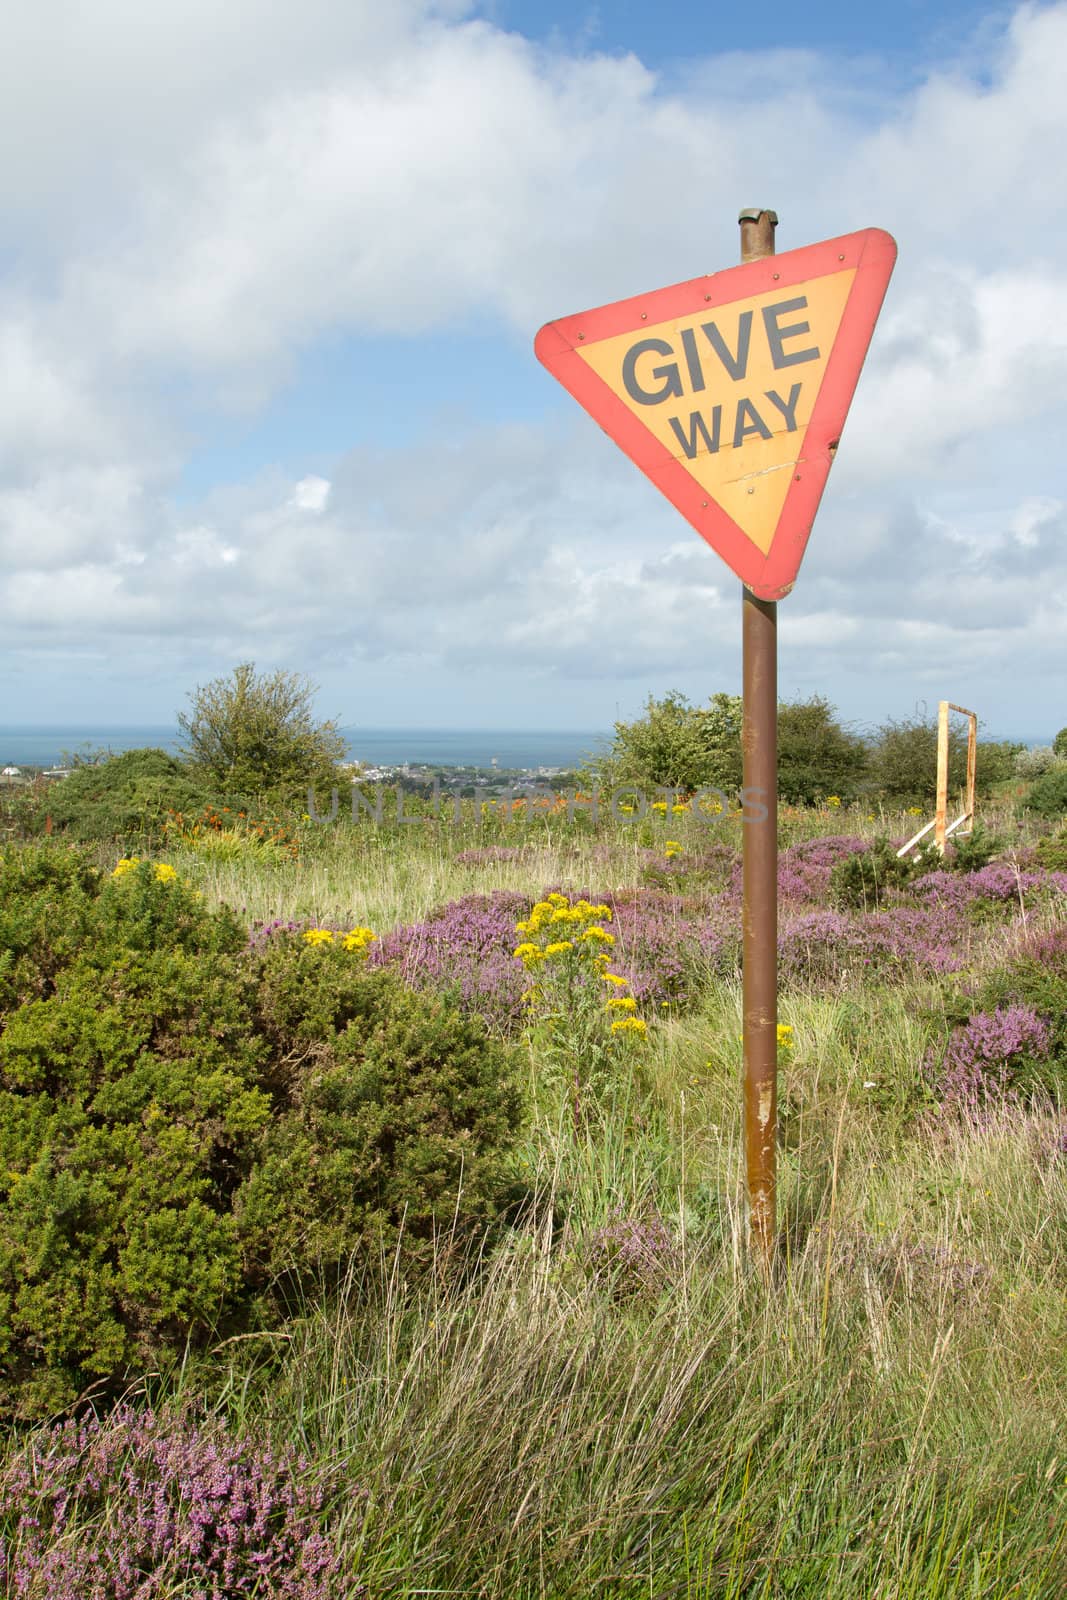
10	772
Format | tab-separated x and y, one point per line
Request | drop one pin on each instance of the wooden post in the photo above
759	743
941	812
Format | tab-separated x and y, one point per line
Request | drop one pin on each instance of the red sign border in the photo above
873	253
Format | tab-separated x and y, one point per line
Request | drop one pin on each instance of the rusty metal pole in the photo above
759	741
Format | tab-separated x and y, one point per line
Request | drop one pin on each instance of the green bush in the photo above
903	762
188	1131
995	762
678	746
255	734
125	799
1051	853
816	755
865	878
390	1137
1059	744
970	852
1048	794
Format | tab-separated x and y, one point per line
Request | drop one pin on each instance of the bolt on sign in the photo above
730	391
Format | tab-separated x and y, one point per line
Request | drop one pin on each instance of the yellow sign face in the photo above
729	392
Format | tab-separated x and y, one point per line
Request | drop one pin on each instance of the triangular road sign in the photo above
730	391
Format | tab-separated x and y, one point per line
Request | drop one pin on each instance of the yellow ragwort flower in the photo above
558	947
620	1003
164	872
357	940
633	1025
318	936
127	864
613	977
597	935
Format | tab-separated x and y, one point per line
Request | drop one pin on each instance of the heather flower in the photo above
464	949
636	1253
134	1506
985	1055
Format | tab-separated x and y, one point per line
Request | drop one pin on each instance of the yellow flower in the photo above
785	1036
603	911
631	1025
556	899
914	811
680	807
621	1003
522	927
127	864
357	939
660	806
165	873
318	936
613	977
598	935
833	799
558	947
522	951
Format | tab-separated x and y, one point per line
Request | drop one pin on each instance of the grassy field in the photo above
614	1402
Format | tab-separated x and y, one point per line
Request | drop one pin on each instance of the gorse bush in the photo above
183	1122
864	878
388	1137
126	798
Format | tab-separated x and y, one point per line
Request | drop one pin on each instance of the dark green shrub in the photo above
388	1136
970	852
1048	794
995	762
903	762
816	755
47	899
865	878
1051	853
184	1124
1059	744
125	799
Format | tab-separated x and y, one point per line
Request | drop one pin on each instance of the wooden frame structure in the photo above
964	823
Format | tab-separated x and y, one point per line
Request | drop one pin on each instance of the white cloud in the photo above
195	197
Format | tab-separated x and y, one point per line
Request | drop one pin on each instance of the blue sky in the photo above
267	303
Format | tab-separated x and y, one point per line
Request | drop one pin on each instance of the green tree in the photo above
1059	743
903	762
816	755
255	733
676	745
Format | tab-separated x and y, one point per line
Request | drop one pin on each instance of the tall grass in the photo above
886	1418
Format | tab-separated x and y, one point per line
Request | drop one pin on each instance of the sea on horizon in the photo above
41	746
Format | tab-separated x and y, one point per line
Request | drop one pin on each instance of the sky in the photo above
269	283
